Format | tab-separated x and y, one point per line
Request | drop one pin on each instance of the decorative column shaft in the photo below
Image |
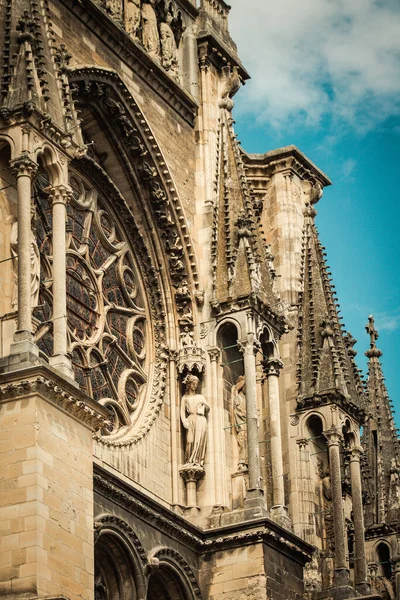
333	438
250	349
174	433
24	168
360	563
59	196
272	368
218	431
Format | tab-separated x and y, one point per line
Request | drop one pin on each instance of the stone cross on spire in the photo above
374	335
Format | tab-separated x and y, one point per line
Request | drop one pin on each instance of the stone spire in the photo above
326	370
381	466
34	85
240	265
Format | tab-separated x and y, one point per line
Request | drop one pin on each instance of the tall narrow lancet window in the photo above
107	307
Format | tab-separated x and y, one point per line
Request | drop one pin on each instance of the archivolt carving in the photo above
116	329
119	526
173	558
106	94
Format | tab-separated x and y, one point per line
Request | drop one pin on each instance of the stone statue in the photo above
194	411
169	55
150	36
238	408
35	266
187	338
132	17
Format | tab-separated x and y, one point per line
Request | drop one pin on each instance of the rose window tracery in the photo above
108	316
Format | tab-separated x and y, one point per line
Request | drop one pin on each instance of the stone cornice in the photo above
120	43
202	541
334	397
287	158
188	7
276	319
41	380
220	54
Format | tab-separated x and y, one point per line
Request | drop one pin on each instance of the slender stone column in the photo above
250	349
218	430
396	567
360	563
24	168
272	368
333	438
60	359
174	434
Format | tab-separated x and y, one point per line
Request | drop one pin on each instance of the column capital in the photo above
272	366
23	166
247	347
59	194
355	453
214	353
302	443
333	437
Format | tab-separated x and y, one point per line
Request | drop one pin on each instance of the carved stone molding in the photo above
170	556
107	522
192	473
84	410
134	55
106	92
191	359
199	540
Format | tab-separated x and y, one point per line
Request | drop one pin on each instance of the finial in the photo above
373	335
350	342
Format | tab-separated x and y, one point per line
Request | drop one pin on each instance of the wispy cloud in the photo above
389	321
320	59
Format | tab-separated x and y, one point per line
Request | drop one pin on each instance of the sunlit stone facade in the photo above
180	409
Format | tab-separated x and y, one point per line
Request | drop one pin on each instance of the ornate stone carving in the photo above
65	399
150	35
239	422
35	266
169	55
191	359
133	17
194	411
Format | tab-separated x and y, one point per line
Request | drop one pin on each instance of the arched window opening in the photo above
164	584
108	315
8	233
231	360
117	576
384	562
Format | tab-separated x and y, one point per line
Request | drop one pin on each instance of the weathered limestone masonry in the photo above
46	513
180	408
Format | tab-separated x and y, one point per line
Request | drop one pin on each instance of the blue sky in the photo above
326	77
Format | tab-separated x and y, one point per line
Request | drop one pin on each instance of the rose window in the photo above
107	308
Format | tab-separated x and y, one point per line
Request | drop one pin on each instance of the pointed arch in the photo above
172	574
104	92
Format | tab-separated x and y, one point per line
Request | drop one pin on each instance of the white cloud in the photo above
389	321
319	58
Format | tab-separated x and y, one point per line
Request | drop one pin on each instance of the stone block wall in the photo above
46	501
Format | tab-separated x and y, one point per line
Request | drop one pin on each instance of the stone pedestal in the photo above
46	506
191	474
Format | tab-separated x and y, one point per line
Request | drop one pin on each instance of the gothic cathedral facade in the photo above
181	414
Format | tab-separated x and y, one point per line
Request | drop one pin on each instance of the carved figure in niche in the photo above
194	411
169	55
187	338
394	472
238	408
150	36
114	7
132	17
35	266
186	315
